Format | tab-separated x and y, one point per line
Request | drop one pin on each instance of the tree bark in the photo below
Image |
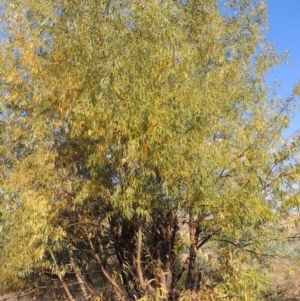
190	280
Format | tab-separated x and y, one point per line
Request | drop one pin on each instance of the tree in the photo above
136	135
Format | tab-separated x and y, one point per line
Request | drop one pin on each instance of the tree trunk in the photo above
190	280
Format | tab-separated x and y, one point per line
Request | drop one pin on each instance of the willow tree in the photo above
134	134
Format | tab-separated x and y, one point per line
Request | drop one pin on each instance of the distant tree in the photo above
137	141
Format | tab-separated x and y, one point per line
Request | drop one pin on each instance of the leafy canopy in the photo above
134	135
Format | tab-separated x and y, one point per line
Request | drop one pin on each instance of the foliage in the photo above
135	134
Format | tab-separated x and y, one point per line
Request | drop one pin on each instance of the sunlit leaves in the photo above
152	114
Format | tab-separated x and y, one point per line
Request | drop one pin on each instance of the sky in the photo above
284	33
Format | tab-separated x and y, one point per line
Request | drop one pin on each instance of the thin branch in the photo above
70	297
204	241
245	249
138	259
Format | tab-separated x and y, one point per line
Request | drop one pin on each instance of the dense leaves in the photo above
141	156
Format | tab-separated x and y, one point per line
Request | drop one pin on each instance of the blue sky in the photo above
284	22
